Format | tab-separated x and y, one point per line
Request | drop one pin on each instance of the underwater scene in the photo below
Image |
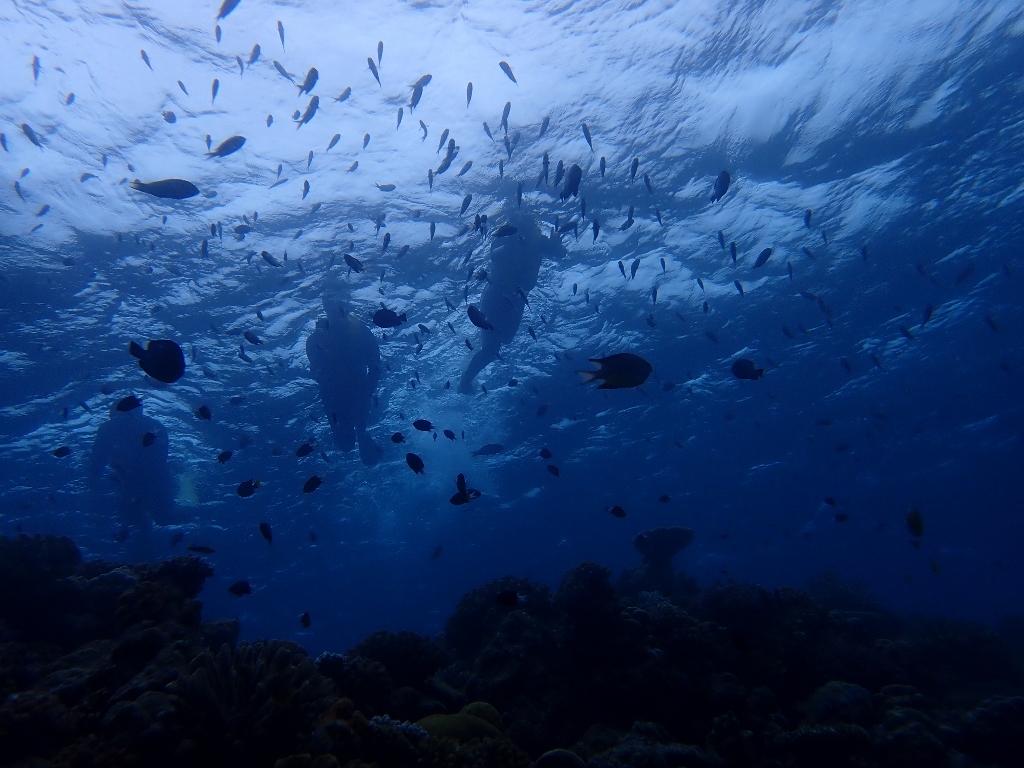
606	384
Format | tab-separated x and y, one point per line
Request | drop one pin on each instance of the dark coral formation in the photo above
112	665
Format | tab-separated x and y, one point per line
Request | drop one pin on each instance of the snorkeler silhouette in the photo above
133	449
345	361
512	274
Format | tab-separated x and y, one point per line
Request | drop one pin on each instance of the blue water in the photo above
897	123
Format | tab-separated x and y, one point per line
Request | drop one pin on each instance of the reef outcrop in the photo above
112	665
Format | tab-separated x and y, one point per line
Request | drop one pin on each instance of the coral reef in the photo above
112	665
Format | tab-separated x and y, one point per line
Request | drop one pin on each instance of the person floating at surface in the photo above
345	362
512	274
129	459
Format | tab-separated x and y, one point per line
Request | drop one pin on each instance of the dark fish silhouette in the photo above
311	108
240	588
380	50
490	449
572	182
227	147
373	69
169	189
618	371
204	412
304	620
586	135
344	95
476	317
266	533
386	318
469	93
312	484
62	452
505	230
224	456
415	463
126	404
508	71
145	58
721	186
745	369
280	33
464	495
616	511
226	7
763	257
247	488
309	83
162	359
199	548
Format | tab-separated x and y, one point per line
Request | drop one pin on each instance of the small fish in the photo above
616	511
504	116
61	452
721	186
311	109
586	135
618	371
400	113
415	463
224	456
200	549
508	71
739	286
915	523
240	588
69	100
312	484
213	90
241	66
423	127
478	319
266	533
491	449
373	70
216	32
763	257
465	168
633	268
430	178
353	167
554	470
247	488
344	95
304	620
31	135
270	120
385	187
380	50
204	413
227	147
433	228
305	188
466	203
501	168
366	140
35	68
280	33
807	217
254	55
603	164
309	82
596	225
145	58
745	369
469	94
647	183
